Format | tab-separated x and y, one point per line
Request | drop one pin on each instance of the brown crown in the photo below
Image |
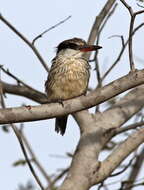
73	43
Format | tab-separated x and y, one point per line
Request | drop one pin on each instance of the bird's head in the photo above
75	46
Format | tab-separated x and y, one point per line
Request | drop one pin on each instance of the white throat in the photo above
71	52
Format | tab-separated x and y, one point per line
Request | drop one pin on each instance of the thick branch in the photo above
33	113
123	110
118	155
98	21
97	172
24	91
96	130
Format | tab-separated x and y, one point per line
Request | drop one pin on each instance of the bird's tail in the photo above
60	124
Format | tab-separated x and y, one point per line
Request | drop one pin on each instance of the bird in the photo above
69	75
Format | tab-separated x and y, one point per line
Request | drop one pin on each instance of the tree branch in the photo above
98	21
26	156
34	49
135	170
16	131
121	52
34	157
34	113
118	155
47	30
130	42
129	127
24	91
96	131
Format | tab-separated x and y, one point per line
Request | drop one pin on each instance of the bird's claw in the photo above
61	102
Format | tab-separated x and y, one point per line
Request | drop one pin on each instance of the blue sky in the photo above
31	18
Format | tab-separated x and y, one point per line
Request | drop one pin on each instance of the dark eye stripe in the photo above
67	45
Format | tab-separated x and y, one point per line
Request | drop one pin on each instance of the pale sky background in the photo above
31	17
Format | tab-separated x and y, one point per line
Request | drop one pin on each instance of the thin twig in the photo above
21	143
26	41
135	169
26	156
130	187
97	68
100	185
140	6
118	36
95	34
129	127
121	52
35	94
19	81
47	30
98	39
2	103
58	177
35	160
124	169
130	41
135	185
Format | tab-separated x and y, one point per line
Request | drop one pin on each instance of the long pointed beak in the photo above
88	48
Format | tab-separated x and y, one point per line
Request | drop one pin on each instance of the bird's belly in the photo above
69	85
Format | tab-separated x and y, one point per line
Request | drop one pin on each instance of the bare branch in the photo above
57	178
119	36
140	5
22	145
95	59
129	127
135	170
124	169
52	27
130	42
33	113
98	21
26	156
34	157
135	185
128	7
85	166
97	42
19	81
118	155
32	94
36	52
121	52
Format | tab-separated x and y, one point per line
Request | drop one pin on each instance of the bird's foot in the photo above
61	102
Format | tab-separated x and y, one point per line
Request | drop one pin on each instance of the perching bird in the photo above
69	75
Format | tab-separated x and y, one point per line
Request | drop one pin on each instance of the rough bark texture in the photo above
34	113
